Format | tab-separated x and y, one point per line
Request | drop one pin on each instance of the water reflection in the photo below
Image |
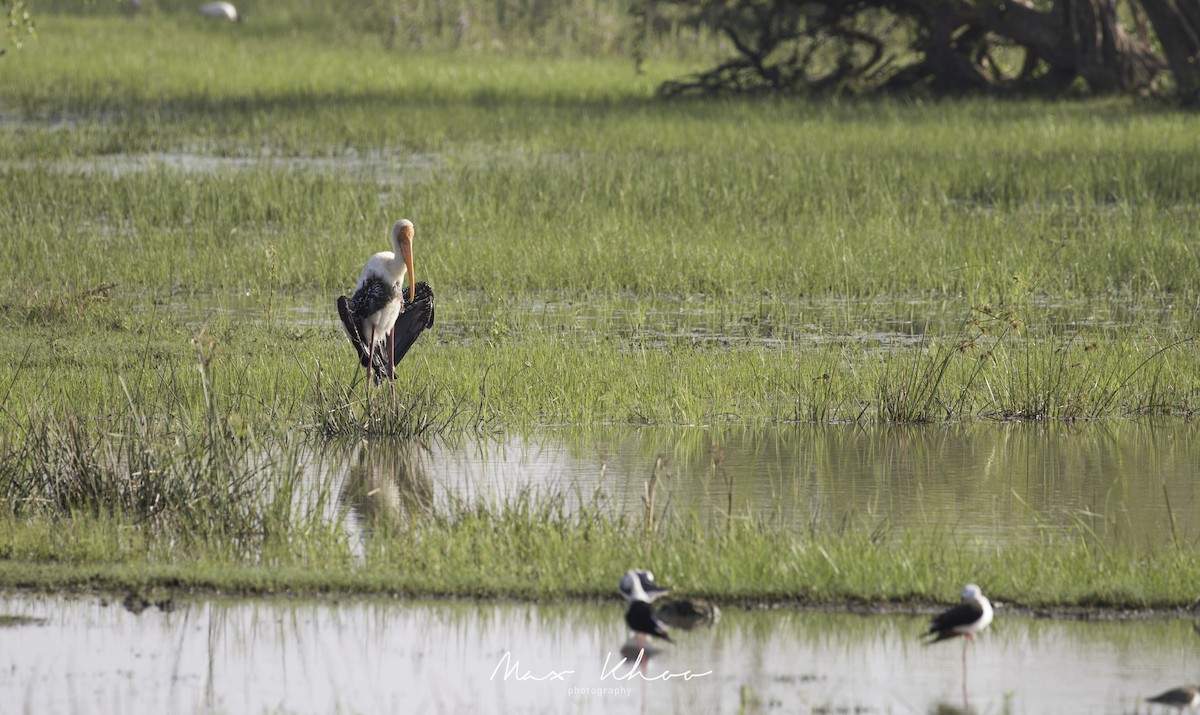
1120	483
380	656
383	479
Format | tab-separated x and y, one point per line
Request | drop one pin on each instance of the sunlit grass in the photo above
203	467
184	200
84	360
440	554
806	216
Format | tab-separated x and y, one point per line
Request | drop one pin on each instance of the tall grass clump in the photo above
210	488
342	408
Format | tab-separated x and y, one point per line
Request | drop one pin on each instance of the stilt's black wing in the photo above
351	323
417	316
946	623
640	618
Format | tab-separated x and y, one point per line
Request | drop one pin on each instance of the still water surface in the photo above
1129	484
83	655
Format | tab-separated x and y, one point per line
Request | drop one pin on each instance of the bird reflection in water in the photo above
386	482
949	709
631	652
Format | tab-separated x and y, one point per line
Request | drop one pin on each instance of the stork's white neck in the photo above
396	267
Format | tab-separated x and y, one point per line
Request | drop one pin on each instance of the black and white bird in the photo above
966	619
635	578
379	322
685	613
640	616
1178	698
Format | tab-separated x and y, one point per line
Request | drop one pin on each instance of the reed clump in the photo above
342	409
211	489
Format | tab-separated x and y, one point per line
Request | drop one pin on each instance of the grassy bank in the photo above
148	191
747	563
148	197
528	176
675	200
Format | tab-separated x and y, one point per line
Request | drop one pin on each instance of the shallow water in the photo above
1129	484
377	166
883	322
380	656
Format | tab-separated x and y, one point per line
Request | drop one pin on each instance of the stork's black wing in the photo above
351	322
372	296
417	316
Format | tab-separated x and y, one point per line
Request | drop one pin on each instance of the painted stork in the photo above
1178	698
966	619
640	617
380	324
685	613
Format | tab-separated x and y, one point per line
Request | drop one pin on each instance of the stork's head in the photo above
402	238
971	592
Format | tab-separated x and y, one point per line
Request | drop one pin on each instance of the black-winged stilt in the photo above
644	579
966	619
1178	698
684	613
640	616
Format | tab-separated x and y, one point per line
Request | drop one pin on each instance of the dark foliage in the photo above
944	46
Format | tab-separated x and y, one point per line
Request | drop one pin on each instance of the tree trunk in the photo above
1177	25
1107	57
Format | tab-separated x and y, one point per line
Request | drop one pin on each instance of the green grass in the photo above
184	200
542	175
87	362
731	214
746	563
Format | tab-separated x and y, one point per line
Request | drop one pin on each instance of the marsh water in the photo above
88	655
1127	484
1122	482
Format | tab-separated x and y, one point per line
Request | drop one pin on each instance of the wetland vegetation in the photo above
184	201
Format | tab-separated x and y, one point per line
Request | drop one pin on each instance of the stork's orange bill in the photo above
407	254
